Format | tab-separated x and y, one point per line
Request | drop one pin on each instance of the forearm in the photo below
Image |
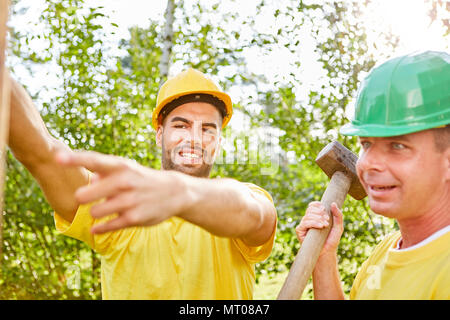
35	148
226	207
326	280
29	139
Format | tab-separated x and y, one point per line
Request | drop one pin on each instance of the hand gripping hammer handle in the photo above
308	254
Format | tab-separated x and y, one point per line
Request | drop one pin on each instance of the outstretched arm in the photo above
35	148
144	196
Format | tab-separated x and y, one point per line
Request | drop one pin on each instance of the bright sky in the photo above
407	19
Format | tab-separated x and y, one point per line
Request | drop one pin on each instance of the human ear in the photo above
159	133
447	163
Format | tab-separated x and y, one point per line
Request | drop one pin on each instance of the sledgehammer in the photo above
339	164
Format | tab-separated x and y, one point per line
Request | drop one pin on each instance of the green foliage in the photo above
98	107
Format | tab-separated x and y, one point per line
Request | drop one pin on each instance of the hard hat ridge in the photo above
190	83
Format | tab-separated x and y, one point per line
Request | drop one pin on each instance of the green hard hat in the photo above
403	95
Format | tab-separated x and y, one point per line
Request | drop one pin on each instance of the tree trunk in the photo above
168	41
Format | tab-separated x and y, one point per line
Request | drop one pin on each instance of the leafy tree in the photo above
103	102
38	261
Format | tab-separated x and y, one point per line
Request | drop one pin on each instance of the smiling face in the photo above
404	176
190	138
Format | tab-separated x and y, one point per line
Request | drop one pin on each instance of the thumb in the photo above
337	214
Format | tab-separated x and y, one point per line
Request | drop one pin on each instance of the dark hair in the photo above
195	97
442	138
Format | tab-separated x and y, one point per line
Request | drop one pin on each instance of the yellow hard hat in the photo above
190	85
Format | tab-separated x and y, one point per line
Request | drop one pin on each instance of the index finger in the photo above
91	160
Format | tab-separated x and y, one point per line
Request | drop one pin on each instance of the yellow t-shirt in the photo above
172	260
421	273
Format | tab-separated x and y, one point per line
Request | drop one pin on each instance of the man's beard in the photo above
201	171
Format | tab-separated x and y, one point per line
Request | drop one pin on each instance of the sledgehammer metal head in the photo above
335	157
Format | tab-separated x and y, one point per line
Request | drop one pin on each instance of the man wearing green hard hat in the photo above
402	119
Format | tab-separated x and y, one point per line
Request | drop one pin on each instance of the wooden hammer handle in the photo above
309	252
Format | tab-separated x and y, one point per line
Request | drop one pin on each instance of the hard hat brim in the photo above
220	95
374	130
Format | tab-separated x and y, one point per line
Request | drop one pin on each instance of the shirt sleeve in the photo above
262	252
357	282
80	228
363	271
443	287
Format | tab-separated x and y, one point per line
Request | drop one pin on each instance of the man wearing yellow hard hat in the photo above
162	234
